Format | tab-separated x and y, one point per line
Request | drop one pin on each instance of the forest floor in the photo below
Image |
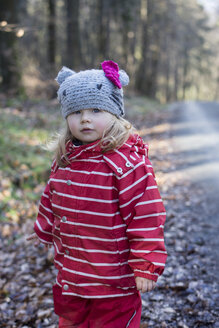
186	295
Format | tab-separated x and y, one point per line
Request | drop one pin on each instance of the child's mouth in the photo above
86	130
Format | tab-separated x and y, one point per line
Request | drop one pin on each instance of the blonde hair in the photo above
114	136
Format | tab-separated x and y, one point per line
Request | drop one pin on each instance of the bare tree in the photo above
51	32
103	21
9	62
73	44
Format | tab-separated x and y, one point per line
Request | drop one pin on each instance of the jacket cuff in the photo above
146	274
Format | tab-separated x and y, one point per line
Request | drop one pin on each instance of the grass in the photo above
24	163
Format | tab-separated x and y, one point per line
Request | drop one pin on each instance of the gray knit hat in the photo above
93	88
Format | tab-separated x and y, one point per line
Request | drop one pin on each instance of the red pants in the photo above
116	312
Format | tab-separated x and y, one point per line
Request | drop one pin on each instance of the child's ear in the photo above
123	77
63	74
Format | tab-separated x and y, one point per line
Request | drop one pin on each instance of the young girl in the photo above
101	208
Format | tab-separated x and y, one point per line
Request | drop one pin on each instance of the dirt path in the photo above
195	137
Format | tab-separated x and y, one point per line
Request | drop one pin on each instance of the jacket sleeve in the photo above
143	211
44	221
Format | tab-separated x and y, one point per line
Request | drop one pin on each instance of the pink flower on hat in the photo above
111	70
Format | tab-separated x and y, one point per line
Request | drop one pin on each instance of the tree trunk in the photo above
73	51
176	81
9	63
51	32
141	79
185	71
104	29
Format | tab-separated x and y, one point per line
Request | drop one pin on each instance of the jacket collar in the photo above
119	160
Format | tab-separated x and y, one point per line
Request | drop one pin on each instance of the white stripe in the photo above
149	202
84	184
96	250
122	155
46	196
136	197
92	238
82	151
94	284
146	229
163	252
135	183
86	198
146	251
137	154
45	208
47	219
148	272
128	216
149	215
99	277
59	263
147	239
111	162
85	212
151	187
96	226
58	238
97	296
158	264
86	172
131	319
57	249
91	160
83	285
93	263
41	229
128	145
44	241
134	159
58	283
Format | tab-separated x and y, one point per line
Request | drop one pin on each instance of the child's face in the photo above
88	125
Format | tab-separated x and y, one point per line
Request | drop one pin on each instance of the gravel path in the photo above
187	295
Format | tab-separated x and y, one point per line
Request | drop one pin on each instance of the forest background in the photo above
169	48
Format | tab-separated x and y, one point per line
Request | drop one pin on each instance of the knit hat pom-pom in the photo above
123	77
63	74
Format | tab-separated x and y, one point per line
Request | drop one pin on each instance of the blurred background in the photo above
169	48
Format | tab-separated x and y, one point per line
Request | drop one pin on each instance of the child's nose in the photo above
85	117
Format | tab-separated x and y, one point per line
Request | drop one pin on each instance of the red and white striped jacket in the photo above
104	215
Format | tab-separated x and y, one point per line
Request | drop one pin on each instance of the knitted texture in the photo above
93	88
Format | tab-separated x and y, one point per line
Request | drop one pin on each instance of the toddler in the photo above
101	208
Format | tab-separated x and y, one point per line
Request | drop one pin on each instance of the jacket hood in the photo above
119	160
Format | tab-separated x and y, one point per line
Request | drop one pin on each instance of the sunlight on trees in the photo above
169	48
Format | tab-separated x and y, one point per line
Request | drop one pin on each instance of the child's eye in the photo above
77	112
96	110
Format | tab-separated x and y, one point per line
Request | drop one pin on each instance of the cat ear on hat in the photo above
123	77
63	74
118	77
